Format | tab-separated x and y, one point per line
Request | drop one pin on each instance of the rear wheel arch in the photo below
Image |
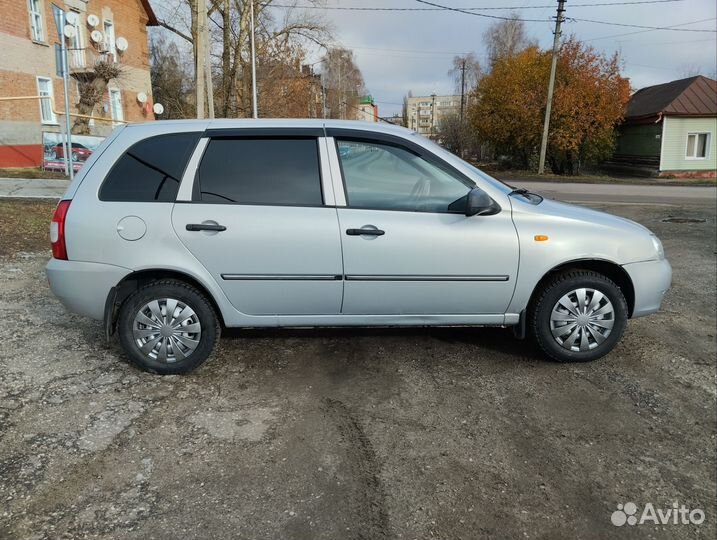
134	281
609	269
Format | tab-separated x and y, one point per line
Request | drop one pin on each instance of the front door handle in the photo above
205	227
365	232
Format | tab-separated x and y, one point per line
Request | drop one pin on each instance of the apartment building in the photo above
104	30
425	113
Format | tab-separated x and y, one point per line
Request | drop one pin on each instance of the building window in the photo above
36	29
110	45
44	88
697	145
77	52
116	105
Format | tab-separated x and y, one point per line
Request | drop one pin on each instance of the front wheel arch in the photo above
609	269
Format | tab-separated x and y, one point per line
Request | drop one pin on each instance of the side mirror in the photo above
478	203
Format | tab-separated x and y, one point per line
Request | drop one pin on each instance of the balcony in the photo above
84	60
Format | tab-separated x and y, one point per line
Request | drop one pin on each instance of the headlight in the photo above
658	247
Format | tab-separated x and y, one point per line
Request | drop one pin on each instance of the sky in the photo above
398	51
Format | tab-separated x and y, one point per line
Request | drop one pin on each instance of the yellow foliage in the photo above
589	101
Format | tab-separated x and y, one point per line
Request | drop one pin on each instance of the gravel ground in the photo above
360	434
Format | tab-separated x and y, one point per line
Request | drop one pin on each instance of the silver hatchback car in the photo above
175	229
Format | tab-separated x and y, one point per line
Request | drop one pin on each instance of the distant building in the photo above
396	120
367	109
670	130
108	30
425	113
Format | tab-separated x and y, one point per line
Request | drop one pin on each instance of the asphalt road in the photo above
363	433
570	192
622	193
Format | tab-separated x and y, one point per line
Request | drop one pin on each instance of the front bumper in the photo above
83	287
651	280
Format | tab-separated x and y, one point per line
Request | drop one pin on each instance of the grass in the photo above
24	225
31	172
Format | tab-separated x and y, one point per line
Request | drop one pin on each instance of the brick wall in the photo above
23	60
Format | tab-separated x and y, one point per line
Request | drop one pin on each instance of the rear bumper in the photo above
651	280
83	287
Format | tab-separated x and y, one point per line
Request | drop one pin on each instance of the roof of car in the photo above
239	123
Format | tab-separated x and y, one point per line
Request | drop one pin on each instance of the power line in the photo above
594	21
627	25
650	30
491	8
459	10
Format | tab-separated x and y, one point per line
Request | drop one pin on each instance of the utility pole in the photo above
463	88
463	105
209	83
433	114
254	107
551	84
60	21
200	71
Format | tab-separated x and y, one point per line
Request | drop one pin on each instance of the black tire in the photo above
539	315
178	290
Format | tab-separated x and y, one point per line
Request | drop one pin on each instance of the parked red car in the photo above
79	152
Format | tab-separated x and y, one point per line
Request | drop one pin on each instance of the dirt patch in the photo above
24	225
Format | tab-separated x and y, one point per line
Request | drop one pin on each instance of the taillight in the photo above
57	231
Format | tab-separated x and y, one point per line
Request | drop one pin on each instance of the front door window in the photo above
382	176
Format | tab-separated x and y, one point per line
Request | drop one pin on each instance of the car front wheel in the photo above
579	316
167	327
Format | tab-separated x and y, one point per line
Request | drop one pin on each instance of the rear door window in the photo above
150	170
260	171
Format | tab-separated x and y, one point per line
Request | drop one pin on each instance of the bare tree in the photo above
172	83
506	38
92	86
230	49
404	110
473	71
343	83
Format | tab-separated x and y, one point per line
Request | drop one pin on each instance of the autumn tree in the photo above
589	101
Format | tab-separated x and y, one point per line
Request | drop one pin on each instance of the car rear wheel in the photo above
167	327
579	316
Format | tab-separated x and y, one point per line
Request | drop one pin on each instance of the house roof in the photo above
150	13
694	96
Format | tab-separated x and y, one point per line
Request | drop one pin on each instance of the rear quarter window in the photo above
150	170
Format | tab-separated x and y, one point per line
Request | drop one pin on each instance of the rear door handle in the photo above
205	227
365	232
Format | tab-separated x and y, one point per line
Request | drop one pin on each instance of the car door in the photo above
260	222
408	247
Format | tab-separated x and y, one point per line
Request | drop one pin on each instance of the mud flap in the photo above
519	330
110	315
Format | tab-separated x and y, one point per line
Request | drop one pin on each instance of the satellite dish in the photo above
93	20
96	36
71	17
158	108
142	97
121	44
69	31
